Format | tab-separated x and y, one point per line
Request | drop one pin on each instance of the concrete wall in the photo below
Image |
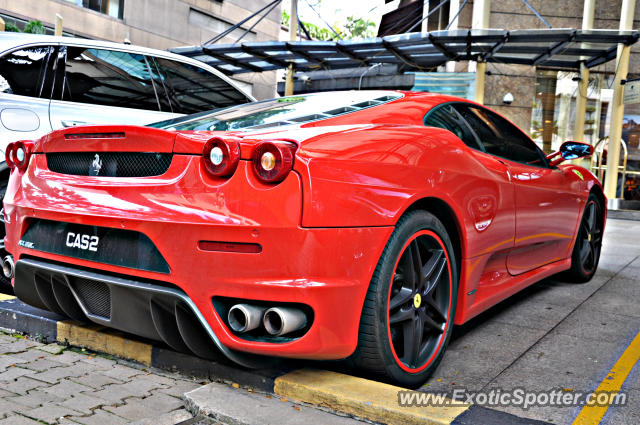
160	24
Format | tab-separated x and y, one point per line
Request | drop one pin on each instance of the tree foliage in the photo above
353	28
32	27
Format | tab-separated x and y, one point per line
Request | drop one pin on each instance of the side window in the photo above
24	72
110	78
446	117
193	89
484	128
517	145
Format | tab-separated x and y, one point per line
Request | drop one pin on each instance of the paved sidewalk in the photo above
42	383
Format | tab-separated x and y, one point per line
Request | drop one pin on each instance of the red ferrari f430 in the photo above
359	225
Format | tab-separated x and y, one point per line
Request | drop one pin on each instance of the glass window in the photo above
108	77
193	89
446	117
517	145
501	138
113	8
281	111
484	129
23	72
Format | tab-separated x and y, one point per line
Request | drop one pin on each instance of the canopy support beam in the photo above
617	110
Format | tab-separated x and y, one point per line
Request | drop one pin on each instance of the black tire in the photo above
588	244
383	351
5	284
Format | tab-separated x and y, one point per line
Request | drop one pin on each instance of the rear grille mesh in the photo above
110	164
95	296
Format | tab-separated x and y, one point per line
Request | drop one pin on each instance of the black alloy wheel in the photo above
407	316
419	301
588	244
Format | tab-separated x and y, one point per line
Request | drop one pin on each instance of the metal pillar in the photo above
454	6
480	19
617	110
425	21
58	30
583	85
293	33
581	103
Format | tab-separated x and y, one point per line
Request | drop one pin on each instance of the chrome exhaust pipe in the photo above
283	320
245	317
8	267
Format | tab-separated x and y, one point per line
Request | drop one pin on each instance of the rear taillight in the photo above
8	155
221	157
18	154
272	161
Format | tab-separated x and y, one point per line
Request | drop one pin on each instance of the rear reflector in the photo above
72	136
242	247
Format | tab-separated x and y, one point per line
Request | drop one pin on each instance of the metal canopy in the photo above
561	48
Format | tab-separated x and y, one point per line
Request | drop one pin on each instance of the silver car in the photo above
47	83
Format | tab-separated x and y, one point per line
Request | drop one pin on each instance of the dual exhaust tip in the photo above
277	321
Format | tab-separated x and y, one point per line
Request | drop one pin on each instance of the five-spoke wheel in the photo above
408	312
588	244
420	299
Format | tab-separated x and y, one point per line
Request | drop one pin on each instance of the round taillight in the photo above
21	154
8	155
272	161
221	157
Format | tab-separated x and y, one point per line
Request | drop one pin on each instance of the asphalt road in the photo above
556	336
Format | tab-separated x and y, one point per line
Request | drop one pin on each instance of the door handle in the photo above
71	123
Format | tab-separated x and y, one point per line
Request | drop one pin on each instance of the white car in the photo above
47	83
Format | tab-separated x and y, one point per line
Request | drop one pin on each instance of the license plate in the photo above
118	247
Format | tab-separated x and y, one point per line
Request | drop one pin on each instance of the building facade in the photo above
159	24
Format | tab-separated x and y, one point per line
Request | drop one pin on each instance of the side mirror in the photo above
569	151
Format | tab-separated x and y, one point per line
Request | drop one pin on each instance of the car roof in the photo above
12	40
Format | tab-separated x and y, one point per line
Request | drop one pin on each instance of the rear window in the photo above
281	111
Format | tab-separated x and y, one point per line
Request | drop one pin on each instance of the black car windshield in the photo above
281	111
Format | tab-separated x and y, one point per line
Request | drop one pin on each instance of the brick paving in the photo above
48	383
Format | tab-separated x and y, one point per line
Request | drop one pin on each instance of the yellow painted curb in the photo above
5	297
107	341
361	397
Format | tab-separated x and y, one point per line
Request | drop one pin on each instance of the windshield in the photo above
280	111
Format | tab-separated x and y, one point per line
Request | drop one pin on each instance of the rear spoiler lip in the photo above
114	138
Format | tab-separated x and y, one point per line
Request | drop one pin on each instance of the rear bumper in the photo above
326	269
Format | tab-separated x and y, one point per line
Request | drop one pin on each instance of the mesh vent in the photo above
95	296
110	164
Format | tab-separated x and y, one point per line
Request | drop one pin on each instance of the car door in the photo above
546	204
485	191
25	90
104	86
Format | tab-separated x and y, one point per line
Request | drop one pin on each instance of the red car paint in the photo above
321	230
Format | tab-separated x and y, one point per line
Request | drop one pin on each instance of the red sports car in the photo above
358	225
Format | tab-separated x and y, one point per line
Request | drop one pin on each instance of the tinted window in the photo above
446	117
22	72
501	138
518	146
484	129
192	89
107	77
